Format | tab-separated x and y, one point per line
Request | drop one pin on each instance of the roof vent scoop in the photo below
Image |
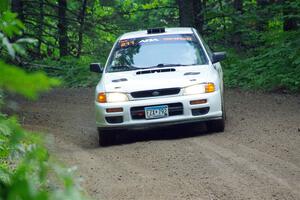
156	30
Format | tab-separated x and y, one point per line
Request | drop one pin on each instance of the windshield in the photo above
156	51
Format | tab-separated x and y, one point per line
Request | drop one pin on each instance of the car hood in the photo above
130	81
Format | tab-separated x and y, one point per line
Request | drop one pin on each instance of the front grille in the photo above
139	112
155	93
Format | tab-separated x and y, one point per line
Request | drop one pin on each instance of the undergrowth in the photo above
73	72
273	67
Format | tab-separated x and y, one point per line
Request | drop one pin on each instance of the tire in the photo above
106	137
217	126
224	106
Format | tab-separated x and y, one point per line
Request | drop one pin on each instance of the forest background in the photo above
47	43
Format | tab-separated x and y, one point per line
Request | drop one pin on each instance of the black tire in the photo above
216	126
106	137
224	106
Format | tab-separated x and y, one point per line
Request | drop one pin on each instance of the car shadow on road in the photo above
167	133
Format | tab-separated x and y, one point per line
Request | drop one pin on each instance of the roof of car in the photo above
143	33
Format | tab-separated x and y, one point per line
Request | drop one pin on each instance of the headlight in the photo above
111	97
199	89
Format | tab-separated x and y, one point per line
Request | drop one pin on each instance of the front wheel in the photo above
216	125
106	137
219	124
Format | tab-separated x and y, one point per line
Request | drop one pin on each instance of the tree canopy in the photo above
259	35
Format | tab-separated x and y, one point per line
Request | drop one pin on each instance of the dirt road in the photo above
257	157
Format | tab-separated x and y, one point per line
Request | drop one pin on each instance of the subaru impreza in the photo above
159	77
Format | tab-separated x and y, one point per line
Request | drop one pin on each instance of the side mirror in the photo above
218	56
96	67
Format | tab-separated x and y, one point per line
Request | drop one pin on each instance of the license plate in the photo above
155	112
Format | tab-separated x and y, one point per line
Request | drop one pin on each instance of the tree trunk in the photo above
62	28
198	13
290	23
262	21
81	27
186	17
238	7
17	7
40	26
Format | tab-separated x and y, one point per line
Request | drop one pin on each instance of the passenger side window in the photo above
209	51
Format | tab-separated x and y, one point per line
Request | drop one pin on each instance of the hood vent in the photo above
191	73
156	71
119	80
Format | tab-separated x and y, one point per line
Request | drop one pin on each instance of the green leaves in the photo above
16	80
16	47
12	78
32	173
7	45
276	66
26	169
10	25
3	5
71	71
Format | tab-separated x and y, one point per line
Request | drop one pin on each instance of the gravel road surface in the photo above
257	157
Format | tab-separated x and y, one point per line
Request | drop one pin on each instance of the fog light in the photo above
112	110
200	101
200	111
114	120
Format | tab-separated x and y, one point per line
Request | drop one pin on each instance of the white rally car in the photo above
159	77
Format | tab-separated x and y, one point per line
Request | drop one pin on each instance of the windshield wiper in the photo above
119	68
167	65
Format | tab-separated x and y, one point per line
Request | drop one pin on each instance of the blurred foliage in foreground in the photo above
27	171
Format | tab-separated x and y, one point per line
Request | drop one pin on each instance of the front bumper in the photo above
213	103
